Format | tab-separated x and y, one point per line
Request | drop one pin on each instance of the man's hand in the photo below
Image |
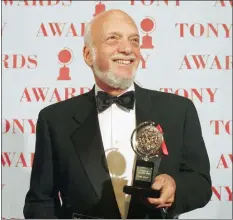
167	186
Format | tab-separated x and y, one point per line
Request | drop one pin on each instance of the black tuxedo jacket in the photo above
70	159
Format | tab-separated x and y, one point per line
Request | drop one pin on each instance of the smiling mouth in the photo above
124	62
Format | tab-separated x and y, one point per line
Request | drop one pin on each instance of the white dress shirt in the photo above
116	126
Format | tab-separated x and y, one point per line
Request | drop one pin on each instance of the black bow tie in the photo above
104	100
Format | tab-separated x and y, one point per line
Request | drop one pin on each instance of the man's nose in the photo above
125	47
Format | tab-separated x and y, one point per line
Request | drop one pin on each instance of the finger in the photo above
158	184
167	193
167	205
169	202
165	197
171	199
154	201
159	202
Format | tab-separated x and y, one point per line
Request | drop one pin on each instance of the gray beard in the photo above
112	80
109	77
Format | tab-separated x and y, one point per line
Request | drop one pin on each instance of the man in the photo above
83	144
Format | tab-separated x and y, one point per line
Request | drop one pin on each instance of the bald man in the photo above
83	144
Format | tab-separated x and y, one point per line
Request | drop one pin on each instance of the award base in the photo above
142	192
142	181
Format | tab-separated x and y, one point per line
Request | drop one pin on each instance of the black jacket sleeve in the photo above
42	199
193	183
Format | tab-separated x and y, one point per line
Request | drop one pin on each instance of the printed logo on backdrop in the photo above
221	127
208	31
17	159
100	7
18	126
206	62
147	27
67	29
220	3
201	95
19	61
65	57
222	193
225	161
48	94
37	2
204	30
155	2
223	3
61	29
51	94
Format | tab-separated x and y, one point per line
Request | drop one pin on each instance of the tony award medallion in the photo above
146	141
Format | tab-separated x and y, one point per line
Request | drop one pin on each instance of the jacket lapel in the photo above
143	105
89	147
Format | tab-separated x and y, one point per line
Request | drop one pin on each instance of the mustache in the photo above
122	57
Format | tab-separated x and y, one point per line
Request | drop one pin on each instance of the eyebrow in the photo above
118	34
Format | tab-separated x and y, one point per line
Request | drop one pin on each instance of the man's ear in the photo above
87	56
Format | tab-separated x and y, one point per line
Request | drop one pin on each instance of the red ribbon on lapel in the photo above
164	147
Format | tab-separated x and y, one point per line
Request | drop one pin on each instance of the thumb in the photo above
158	184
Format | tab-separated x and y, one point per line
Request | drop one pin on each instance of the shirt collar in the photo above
131	88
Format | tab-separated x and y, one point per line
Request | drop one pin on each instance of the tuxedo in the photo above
70	159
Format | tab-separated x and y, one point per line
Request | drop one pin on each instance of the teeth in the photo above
123	61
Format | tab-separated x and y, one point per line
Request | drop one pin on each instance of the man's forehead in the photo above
120	26
117	23
112	20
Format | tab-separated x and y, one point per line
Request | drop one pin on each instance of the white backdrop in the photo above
191	57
